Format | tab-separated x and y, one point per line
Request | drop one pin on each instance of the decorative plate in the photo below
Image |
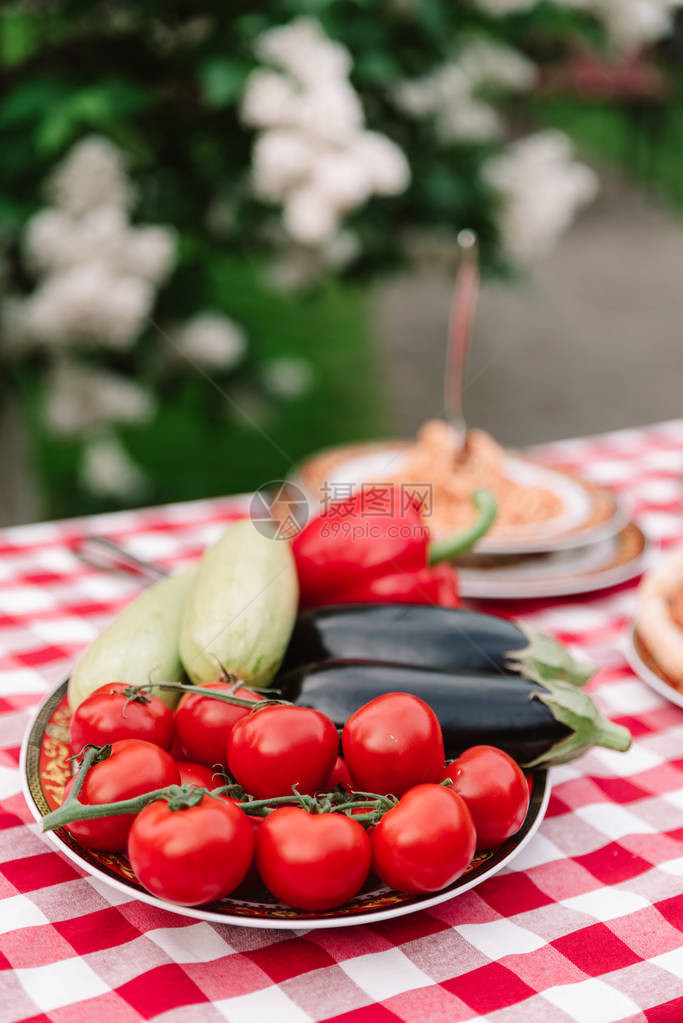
589	512
648	671
46	768
560	573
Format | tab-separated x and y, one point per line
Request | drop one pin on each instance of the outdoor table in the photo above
585	925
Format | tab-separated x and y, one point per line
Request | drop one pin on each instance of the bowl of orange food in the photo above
540	508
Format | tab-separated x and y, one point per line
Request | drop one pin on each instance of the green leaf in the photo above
377	68
30	100
18	35
221	81
96	106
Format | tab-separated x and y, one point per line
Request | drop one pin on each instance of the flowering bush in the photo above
172	175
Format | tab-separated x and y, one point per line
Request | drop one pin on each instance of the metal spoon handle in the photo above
460	328
109	556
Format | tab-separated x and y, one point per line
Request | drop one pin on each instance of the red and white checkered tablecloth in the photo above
584	926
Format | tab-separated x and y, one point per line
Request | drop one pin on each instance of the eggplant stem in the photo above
576	710
453	546
544	657
613	736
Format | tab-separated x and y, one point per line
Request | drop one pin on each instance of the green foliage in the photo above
164	81
202	443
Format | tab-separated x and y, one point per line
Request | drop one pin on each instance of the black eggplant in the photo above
443	639
536	723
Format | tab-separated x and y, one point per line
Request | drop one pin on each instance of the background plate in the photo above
647	669
45	768
590	512
594	567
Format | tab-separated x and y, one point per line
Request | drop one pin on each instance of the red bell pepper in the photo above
437	585
355	551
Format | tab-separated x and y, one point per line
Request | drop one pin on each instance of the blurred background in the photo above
227	237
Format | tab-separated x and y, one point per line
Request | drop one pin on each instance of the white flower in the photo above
330	113
303	49
383	161
288	377
150	252
80	398
341	178
448	94
93	174
280	160
212	340
472	121
107	470
53	241
309	216
98	271
631	23
487	63
542	189
314	155
417	97
48	239
268	101
88	304
449	85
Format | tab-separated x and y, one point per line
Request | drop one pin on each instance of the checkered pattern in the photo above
585	926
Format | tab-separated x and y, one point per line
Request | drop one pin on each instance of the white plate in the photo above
369	906
560	532
646	674
558	574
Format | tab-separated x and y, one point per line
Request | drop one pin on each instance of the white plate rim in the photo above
647	675
481	588
298	924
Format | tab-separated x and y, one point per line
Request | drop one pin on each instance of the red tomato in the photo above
252	886
339	775
392	743
312	861
197	774
191	855
134	767
495	790
108	716
203	724
280	746
425	842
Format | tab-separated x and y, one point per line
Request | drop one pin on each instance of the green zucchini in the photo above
241	608
139	645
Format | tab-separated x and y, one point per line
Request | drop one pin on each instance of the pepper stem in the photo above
453	546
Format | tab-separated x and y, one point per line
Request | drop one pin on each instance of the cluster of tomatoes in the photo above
303	820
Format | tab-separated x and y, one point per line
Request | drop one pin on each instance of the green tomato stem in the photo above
226	696
73	810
